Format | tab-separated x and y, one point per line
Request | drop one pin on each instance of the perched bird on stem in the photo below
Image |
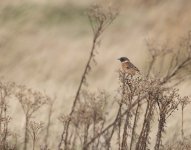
128	67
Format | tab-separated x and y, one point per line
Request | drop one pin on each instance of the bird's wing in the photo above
132	66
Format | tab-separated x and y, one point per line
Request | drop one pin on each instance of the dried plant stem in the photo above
34	143
111	125
182	130
119	131
135	124
98	140
26	130
125	132
184	102
5	89
118	118
1	116
34	130
143	137
48	124
176	70
102	20
94	128
78	92
74	139
116	121
86	128
161	124
5	126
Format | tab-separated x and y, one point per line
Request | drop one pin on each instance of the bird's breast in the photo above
125	66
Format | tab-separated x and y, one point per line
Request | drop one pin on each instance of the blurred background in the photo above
45	44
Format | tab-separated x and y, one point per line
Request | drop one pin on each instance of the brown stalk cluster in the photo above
31	101
88	120
158	97
6	90
100	19
142	101
34	130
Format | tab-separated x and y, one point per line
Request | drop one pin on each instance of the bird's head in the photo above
123	59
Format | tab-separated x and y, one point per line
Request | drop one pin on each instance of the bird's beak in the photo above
118	58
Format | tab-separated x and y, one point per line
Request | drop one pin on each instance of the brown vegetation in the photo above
87	126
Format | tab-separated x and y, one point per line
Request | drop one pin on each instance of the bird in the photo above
128	67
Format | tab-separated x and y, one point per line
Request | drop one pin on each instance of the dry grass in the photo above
142	106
